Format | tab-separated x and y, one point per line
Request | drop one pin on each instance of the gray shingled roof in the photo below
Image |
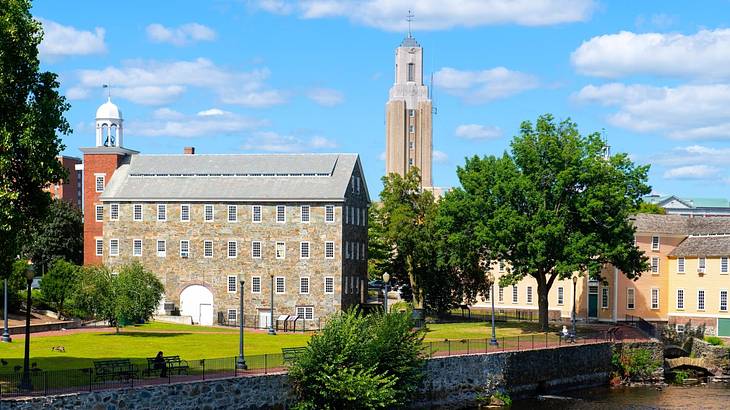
244	177
703	246
681	225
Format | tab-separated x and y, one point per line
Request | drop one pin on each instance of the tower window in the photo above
411	129
411	113
410	162
99	183
410	144
411	72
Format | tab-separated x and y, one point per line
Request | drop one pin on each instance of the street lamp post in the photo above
575	282
386	282
6	334
272	331
25	382
241	363
493	341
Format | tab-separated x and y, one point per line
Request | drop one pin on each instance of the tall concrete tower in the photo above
408	127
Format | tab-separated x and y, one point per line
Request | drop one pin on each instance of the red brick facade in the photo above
69	189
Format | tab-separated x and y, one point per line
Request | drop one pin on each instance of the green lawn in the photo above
199	342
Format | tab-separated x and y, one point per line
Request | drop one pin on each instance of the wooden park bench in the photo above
173	364
291	354
115	369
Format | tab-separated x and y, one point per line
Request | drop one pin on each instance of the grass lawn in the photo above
200	342
141	342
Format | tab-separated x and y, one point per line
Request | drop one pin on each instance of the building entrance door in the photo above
264	318
206	314
593	301
196	301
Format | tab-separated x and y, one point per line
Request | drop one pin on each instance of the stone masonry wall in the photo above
452	381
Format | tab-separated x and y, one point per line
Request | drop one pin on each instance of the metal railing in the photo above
48	382
642	325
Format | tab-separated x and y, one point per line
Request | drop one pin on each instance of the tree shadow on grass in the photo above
147	334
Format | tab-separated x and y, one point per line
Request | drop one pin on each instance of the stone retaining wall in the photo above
450	381
718	355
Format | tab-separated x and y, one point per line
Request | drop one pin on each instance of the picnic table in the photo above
114	369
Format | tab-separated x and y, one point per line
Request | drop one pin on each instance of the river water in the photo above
710	396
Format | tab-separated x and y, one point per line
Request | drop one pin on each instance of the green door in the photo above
723	327
593	305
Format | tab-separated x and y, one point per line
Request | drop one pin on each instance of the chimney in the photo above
189	150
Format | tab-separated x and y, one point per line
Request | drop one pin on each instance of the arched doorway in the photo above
196	301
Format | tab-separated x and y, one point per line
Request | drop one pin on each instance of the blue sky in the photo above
313	75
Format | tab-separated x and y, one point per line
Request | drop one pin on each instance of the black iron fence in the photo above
290	324
144	373
643	325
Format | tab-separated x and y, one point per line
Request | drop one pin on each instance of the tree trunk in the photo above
542	301
415	286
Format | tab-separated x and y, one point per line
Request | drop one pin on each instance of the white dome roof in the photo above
108	110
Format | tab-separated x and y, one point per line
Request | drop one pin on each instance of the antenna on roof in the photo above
108	90
409	18
606	147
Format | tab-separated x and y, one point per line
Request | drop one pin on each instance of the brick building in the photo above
69	189
293	224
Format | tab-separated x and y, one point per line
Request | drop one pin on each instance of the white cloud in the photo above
692	155
270	141
326	97
477	132
170	123
701	55
483	86
381	156
61	41
156	83
692	172
212	112
181	35
440	157
688	112
437	14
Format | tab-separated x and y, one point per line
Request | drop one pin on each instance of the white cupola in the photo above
109	129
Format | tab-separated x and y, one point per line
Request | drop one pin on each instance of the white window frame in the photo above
253	250
701	298
655	243
304	285
724	264
112	243
276	250
134	247
99	247
326	250
233	248
134	212
528	295
306	311
305	216
207	207
721	308
561	296
99	213
185	253
114	212
630	298
655	294
515	294
235	315
234	281
279	280
605	297
256	210
330	279
162	211
255	283
702	263
161	253
329	214
282	209
680	306
184	209
681	264
304	245
206	243
500	294
233	208
99	178
655	265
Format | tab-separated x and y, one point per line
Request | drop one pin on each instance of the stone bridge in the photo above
692	363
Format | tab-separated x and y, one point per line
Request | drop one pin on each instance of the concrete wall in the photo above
450	381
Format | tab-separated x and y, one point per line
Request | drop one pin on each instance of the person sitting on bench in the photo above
161	364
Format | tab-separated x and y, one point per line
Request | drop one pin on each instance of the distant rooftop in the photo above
672	201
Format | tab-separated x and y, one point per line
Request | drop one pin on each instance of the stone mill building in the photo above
291	224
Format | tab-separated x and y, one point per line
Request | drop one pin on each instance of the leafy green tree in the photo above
378	252
406	232
553	208
58	235
59	284
131	296
31	118
649	208
359	362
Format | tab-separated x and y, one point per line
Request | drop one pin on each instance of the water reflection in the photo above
710	396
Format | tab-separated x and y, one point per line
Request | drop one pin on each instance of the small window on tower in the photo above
411	113
410	144
411	72
411	129
410	162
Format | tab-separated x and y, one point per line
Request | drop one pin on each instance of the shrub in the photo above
680	376
714	340
635	364
359	362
